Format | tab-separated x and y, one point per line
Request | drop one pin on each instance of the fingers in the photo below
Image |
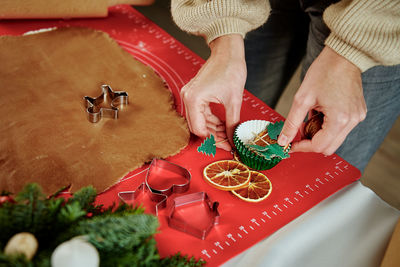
221	130
319	143
203	117
298	111
202	122
334	131
221	141
225	146
232	116
195	110
345	122
333	86
215	127
221	80
196	120
212	119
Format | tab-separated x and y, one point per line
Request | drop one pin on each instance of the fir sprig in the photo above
123	235
110	233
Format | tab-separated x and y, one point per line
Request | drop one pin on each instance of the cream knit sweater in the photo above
366	32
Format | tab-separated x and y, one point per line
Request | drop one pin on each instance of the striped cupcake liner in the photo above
244	133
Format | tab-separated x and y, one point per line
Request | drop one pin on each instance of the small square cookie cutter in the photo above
95	112
159	169
194	214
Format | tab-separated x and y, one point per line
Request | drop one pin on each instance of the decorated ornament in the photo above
22	243
6	198
313	125
77	252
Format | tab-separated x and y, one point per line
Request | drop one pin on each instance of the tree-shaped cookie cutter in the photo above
159	170
194	214
95	112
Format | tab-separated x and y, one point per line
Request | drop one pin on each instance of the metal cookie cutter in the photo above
159	199
95	112
165	177
194	214
162	179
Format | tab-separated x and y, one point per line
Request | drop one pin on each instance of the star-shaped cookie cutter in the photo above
118	99
159	169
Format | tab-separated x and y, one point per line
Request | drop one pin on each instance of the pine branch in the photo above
118	232
122	209
179	261
85	197
15	261
124	235
71	212
30	193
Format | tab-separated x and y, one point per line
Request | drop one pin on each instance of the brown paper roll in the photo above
44	9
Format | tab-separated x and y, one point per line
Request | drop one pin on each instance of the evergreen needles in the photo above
123	235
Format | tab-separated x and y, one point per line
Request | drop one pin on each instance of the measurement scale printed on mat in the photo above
298	183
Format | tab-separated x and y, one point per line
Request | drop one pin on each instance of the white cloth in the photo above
350	228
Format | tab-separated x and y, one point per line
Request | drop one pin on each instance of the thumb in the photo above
232	117
294	121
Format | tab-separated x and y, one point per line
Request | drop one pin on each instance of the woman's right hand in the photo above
220	80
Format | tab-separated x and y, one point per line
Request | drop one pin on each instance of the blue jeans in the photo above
295	31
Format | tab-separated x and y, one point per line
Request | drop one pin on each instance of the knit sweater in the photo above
366	32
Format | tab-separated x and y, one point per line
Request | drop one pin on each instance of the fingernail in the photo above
282	140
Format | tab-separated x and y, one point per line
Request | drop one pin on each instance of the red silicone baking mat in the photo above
299	183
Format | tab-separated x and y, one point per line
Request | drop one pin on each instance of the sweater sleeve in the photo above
214	18
366	32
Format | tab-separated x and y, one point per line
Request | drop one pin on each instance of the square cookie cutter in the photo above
163	170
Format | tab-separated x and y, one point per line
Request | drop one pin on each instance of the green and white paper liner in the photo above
242	137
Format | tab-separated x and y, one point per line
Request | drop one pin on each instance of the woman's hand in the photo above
220	80
332	86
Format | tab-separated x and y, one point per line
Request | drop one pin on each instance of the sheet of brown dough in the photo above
45	136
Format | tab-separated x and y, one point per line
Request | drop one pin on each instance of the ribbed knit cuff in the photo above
224	26
366	32
212	19
352	54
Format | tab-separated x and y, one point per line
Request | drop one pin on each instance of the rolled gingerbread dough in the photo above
45	136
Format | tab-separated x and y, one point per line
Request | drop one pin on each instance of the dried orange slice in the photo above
257	190
227	175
